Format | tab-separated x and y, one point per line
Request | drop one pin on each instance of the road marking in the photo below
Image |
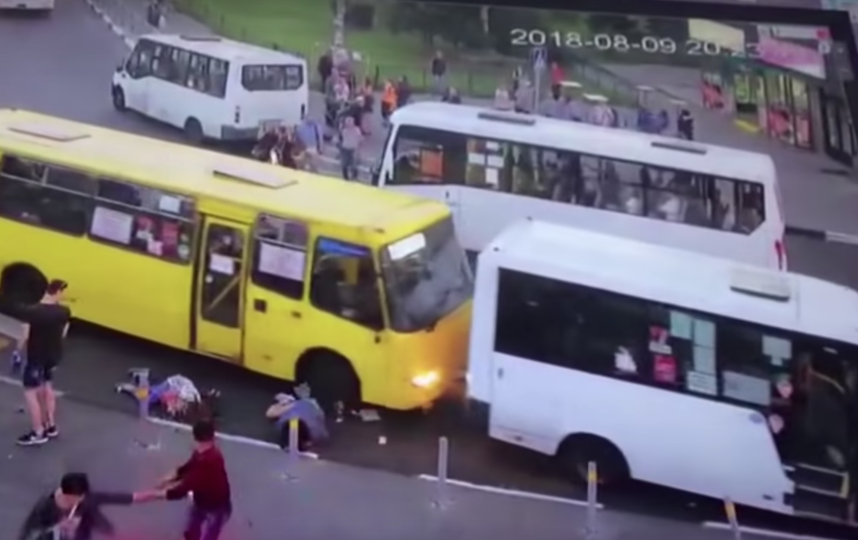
511	492
14	381
229	437
761	532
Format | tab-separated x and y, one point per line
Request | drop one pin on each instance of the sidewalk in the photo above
812	199
320	500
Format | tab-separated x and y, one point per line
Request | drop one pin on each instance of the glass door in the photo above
220	289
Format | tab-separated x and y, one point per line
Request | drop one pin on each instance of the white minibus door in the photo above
522	411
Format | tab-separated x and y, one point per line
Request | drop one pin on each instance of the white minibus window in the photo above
260	78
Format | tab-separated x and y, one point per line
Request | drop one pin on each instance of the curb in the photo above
229	437
115	28
832	237
510	492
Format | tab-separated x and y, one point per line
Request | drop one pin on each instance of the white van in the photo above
212	88
493	167
668	366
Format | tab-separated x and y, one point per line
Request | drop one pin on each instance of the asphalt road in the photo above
63	66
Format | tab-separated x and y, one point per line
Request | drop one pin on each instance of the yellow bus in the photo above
363	293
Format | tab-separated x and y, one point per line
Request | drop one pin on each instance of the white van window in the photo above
430	156
207	75
261	78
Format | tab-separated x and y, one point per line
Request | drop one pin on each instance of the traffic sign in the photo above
539	57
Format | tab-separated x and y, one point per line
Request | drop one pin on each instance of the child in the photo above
204	477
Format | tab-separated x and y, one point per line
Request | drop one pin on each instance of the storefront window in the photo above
801	110
779	117
713	90
746	96
832	124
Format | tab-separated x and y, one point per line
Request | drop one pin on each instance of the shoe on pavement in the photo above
32	439
51	432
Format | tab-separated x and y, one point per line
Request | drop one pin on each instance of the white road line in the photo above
229	437
12	381
510	492
761	532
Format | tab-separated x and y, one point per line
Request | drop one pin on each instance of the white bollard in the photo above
442	496
732	518
293	453
592	498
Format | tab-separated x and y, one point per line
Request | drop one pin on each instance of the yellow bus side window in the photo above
280	255
145	220
331	291
24	197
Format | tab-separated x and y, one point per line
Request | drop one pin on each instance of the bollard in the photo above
592	498
442	496
732	518
293	452
141	391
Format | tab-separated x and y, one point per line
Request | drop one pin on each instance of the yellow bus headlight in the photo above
425	380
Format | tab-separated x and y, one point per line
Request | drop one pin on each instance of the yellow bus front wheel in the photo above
331	378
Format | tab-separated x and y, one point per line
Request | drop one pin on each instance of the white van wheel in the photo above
119	99
194	131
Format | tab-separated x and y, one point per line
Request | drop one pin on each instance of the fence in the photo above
475	77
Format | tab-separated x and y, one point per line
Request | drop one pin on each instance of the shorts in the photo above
36	375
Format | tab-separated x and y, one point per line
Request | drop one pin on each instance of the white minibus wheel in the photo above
578	451
194	131
119	99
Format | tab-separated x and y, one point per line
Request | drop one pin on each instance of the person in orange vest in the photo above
388	100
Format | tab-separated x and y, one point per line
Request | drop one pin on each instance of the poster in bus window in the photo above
281	261
681	325
112	225
704	359
664	369
704	333
777	349
658	340
701	383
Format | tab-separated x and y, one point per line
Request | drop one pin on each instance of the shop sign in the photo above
791	56
726	37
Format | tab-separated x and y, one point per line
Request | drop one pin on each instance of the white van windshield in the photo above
426	277
272	77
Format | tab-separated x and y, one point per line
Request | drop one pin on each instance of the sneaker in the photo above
32	439
51	432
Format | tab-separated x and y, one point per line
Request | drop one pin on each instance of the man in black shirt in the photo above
72	511
46	326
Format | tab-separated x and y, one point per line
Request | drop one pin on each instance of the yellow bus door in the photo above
220	286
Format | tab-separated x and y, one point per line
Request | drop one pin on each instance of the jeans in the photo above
348	160
205	524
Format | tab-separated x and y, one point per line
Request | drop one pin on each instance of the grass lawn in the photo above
305	27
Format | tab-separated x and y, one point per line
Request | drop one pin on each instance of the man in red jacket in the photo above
204	478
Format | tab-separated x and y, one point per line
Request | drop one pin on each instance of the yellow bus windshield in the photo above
426	277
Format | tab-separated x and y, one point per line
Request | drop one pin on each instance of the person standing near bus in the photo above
46	326
204	478
388	100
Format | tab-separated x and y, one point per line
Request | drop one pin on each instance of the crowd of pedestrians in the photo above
351	105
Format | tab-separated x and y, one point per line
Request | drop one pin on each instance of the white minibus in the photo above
212	88
669	367
45	6
493	167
